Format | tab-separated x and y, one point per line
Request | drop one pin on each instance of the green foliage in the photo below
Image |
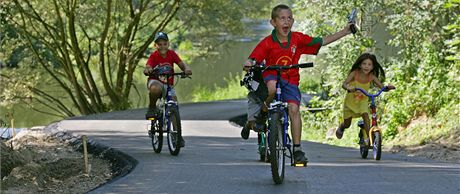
91	49
232	90
424	68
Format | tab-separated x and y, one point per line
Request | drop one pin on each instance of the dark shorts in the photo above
289	92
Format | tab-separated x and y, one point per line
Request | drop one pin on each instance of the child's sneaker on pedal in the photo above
299	157
245	131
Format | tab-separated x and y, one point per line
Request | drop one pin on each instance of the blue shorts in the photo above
289	92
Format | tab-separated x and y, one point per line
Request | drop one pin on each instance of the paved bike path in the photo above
217	160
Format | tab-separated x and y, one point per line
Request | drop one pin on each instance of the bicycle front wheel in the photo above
175	132
276	147
157	136
377	145
363	148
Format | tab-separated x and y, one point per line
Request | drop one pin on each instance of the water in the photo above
207	72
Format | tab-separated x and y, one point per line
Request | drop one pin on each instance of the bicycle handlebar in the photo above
384	88
181	74
281	67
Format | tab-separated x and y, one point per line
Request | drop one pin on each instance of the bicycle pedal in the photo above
300	164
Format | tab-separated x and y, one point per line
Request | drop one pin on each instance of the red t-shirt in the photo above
156	59
275	53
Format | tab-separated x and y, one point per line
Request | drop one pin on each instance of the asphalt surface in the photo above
217	160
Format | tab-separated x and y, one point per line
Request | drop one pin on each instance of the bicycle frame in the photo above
282	107
375	134
278	105
169	122
169	101
373	108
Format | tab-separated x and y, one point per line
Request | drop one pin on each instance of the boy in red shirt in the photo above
163	56
284	47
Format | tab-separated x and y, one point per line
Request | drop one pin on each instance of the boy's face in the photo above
283	22
162	46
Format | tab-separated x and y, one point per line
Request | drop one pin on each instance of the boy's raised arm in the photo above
333	37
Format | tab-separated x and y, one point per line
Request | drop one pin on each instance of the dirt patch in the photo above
446	148
442	146
39	161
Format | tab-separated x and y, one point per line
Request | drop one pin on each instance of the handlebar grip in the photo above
353	28
304	65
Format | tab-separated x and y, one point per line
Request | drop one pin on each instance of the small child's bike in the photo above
375	133
168	122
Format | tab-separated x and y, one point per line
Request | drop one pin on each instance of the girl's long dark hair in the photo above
377	71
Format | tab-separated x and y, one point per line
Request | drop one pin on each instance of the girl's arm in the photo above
380	85
185	68
377	81
347	81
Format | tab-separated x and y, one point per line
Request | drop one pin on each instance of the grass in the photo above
232	90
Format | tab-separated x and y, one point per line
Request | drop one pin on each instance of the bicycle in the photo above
278	126
169	120
375	133
252	84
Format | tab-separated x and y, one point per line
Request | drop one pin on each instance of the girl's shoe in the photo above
339	133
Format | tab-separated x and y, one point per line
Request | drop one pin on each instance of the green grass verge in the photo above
232	90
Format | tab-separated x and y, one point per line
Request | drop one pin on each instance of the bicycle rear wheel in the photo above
276	147
157	136
175	132
377	145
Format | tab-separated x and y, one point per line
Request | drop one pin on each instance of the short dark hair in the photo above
277	8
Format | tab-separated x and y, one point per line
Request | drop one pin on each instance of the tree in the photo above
90	48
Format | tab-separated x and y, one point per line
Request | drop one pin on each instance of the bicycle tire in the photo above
261	143
377	145
263	146
174	132
157	136
277	160
363	150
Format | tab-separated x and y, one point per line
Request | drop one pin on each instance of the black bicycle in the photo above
278	125
169	120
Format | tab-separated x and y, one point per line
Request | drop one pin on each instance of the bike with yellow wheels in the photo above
375	133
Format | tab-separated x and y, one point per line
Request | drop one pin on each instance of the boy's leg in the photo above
291	94
271	87
296	132
155	90
254	107
296	122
